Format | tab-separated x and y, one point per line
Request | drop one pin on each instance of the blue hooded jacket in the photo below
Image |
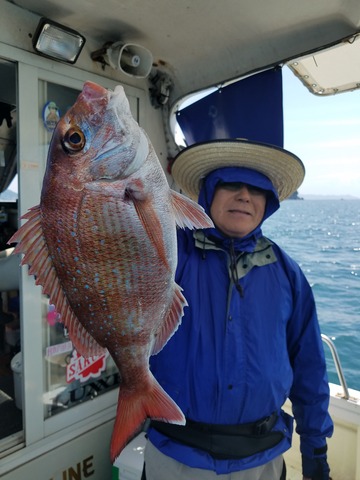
249	338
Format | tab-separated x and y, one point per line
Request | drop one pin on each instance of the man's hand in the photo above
315	468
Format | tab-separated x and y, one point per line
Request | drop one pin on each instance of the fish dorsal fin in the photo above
189	213
31	242
172	321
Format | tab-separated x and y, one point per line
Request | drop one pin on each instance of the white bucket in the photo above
129	464
16	367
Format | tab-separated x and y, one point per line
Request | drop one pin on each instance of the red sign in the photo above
82	369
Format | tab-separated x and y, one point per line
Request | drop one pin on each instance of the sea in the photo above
323	236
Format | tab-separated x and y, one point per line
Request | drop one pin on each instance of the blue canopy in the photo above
251	109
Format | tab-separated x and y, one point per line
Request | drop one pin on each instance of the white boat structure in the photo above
56	412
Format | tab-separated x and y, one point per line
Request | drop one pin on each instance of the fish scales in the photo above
95	261
102	244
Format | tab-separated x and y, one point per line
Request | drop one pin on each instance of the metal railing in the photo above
337	362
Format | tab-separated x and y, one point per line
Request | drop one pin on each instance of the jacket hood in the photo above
244	175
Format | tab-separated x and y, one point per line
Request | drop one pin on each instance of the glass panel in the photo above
69	378
11	423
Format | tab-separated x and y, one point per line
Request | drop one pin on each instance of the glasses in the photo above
235	186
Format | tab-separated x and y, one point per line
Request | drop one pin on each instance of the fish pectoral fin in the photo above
31	242
189	213
152	226
172	321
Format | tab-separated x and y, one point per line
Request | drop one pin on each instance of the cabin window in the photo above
69	379
11	423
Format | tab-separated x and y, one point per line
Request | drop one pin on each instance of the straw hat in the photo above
285	170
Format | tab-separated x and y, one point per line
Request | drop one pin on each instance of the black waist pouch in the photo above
224	441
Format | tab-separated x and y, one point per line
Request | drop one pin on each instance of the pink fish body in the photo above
102	244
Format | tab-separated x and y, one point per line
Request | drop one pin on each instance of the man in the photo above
249	338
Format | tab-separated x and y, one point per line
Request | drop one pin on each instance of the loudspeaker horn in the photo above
130	58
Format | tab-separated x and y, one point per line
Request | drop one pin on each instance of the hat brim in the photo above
285	170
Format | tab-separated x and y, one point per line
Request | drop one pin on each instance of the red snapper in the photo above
102	244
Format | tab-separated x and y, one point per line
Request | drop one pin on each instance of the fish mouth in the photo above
92	91
118	90
118	99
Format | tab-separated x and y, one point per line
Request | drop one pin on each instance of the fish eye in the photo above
74	140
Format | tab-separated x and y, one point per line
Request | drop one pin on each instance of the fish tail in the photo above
134	407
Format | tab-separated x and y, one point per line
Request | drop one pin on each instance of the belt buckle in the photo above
262	426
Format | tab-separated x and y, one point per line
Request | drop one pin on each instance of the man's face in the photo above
237	208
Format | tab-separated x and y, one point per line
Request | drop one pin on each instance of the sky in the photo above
325	133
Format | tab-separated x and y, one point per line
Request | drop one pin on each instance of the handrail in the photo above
338	366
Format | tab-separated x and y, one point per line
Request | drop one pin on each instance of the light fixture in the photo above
55	41
129	58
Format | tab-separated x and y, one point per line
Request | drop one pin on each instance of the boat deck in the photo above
293	474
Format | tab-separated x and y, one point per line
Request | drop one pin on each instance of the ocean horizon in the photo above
310	196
